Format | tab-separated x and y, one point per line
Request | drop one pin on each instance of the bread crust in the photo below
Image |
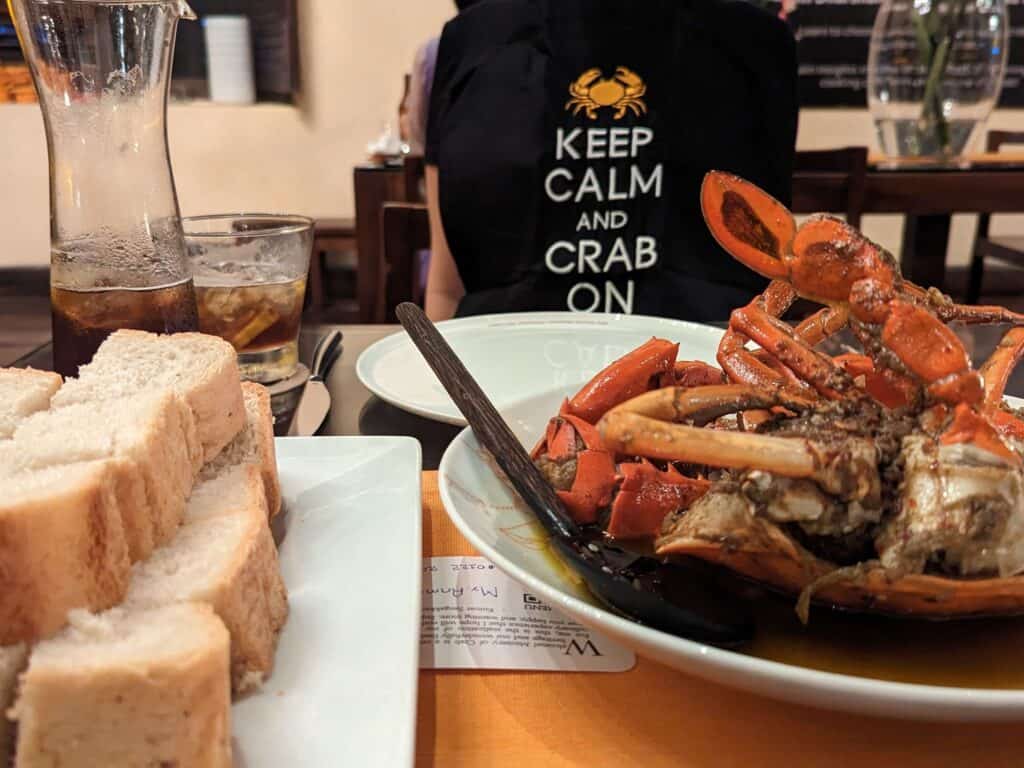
173	710
263	427
246	589
253	605
61	548
12	662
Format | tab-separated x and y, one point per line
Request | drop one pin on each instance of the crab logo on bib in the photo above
622	91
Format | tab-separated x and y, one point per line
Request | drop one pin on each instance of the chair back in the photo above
413	170
404	234
993	143
852	162
995	139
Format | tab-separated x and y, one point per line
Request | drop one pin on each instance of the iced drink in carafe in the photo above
82	319
117	258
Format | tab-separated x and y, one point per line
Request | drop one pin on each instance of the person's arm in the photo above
416	104
444	285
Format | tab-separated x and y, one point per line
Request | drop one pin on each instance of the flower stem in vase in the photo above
936	32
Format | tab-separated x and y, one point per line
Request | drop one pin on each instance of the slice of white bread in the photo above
152	440
12	662
224	556
22	393
235	489
253	445
128	689
202	369
62	546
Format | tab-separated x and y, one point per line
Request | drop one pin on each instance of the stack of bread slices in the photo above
139	580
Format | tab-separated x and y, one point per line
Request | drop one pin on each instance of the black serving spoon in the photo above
679	599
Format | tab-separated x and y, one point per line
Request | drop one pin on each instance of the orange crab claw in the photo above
592	487
885	386
559	440
932	352
754	227
647	495
693	373
968	426
830	256
625	378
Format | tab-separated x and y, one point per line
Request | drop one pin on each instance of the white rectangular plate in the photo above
343	689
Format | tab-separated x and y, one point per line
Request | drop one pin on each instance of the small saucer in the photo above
285	396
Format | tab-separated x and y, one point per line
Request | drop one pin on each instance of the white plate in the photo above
345	676
497	523
518	356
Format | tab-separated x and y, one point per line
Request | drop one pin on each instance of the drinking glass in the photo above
250	275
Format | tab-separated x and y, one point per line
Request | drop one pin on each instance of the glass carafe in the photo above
118	258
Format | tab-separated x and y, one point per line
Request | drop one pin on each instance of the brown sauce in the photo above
972	653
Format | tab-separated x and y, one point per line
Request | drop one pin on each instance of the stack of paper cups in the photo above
229	64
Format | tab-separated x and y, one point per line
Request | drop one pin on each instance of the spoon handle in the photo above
488	426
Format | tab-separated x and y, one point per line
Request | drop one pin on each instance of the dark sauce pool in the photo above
970	653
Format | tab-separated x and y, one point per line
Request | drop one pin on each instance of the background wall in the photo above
257	158
299	159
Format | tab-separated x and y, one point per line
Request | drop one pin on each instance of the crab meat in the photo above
962	511
785	500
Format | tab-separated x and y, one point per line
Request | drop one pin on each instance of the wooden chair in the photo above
404	233
329	235
415	182
849	161
1008	249
375	186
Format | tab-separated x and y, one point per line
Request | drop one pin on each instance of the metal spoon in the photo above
643	588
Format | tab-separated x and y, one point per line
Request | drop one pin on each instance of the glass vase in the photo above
935	70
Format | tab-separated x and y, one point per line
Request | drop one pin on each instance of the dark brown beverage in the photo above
252	317
82	319
260	320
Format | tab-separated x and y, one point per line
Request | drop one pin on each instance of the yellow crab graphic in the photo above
622	91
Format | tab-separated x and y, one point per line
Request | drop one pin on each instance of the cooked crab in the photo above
888	479
900	488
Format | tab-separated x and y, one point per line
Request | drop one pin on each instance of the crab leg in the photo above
849	471
694	373
779	340
970	314
997	369
625	378
759	370
995	373
823	324
701	405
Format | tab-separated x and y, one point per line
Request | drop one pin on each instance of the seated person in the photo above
417	102
566	146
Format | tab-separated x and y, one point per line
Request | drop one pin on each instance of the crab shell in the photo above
760	550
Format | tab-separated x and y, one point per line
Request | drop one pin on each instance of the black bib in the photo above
571	137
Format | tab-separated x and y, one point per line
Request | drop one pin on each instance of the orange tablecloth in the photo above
653	716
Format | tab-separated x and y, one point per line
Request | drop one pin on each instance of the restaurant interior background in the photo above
272	156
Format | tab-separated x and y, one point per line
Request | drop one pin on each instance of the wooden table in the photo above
928	198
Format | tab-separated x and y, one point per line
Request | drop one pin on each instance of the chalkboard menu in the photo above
832	40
